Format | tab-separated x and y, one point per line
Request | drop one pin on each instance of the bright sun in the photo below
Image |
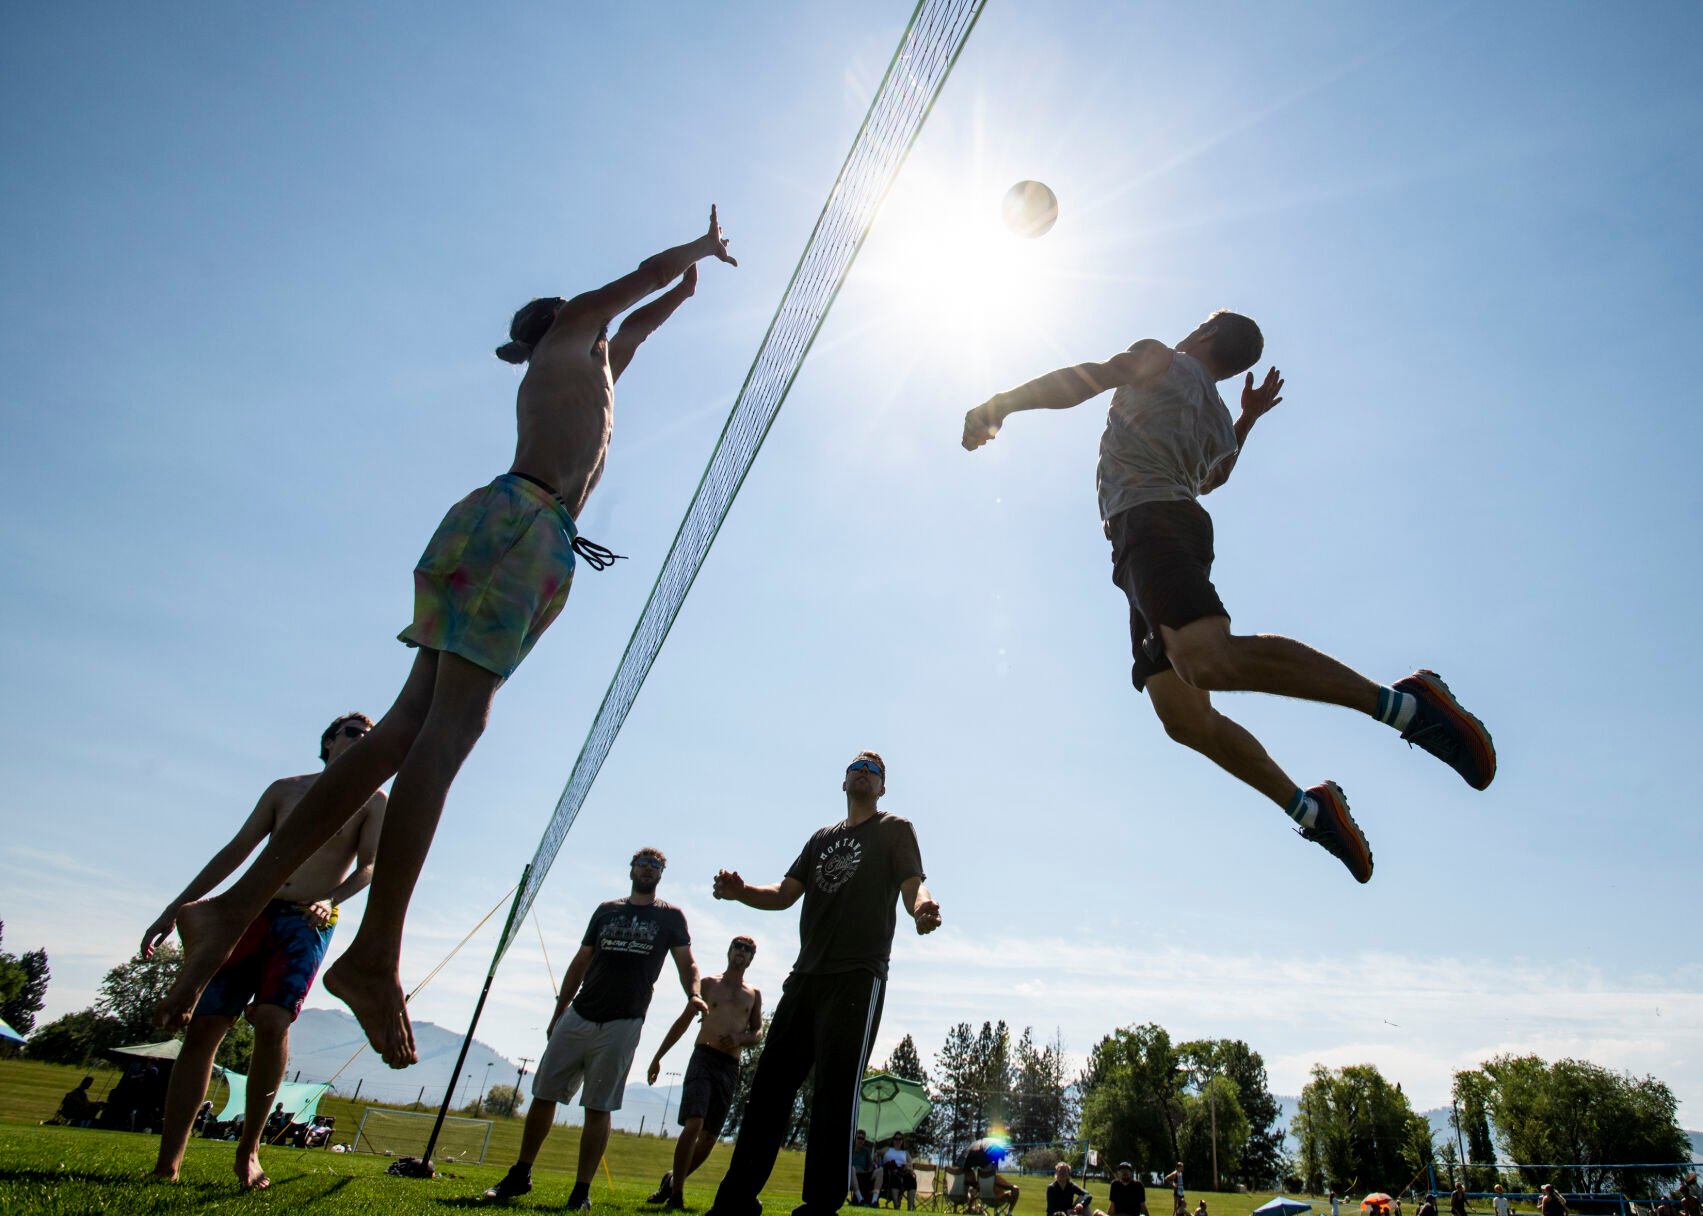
948	266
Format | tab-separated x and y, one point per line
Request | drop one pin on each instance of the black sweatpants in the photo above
828	1021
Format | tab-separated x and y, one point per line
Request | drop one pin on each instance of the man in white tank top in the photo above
1169	440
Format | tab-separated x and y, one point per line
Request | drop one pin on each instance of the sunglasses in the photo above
350	731
868	766
647	863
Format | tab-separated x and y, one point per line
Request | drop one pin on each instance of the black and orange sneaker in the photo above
1337	833
1448	732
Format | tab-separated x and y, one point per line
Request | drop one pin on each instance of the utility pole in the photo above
668	1098
524	1061
1212	1108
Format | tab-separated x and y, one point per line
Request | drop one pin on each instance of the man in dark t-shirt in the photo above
1129	1196
850	875
598	1016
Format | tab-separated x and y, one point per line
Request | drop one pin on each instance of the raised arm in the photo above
1142	363
643	322
255	829
1256	404
785	893
681	1025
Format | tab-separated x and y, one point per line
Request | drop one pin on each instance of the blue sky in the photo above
255	265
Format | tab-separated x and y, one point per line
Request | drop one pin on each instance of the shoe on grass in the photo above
513	1185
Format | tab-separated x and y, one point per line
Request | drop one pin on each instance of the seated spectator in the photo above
77	1108
1129	1196
1200	1208
1064	1196
863	1170
897	1178
276	1122
980	1161
203	1117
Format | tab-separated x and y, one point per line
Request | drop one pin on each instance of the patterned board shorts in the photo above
494	575
273	963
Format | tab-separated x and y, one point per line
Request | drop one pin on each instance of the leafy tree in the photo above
1573	1110
130	991
1260	1157
74	1038
1132	1098
1215	1105
742	1089
502	1101
1356	1129
1471	1117
23	986
236	1052
907	1062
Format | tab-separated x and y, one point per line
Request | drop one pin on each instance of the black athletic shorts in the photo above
1162	560
711	1078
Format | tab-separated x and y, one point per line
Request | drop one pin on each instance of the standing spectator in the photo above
1129	1196
1179	1203
1500	1202
1550	1202
1335	1202
1457	1198
1064	1196
850	875
595	1028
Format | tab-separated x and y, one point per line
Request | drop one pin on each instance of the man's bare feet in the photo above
372	989
163	1173
208	934
250	1175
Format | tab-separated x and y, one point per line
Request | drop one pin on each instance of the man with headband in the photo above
850	874
491	580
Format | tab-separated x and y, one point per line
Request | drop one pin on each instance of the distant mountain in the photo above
326	1043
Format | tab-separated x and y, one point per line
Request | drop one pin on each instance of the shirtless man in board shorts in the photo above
732	1022
1169	440
269	972
491	580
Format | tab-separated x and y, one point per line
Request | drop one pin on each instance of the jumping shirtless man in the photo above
1169	440
732	1022
491	580
272	966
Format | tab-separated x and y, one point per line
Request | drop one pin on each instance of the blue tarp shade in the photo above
1281	1206
8	1034
300	1099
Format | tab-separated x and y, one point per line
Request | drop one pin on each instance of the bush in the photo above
73	1038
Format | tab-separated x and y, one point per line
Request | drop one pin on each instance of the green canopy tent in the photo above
300	1098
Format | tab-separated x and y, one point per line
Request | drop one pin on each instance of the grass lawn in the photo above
62	1171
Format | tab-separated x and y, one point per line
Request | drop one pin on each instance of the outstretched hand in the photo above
718	241
927	916
1258	402
981	425
728	885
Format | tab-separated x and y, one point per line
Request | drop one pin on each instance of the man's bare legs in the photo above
1209	657
187	1089
1190	719
690	1151
368	976
210	927
265	1073
593	1140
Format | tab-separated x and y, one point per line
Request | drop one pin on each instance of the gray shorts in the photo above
599	1054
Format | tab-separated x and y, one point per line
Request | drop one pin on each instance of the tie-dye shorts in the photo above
494	575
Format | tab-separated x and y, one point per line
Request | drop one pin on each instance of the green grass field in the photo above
60	1171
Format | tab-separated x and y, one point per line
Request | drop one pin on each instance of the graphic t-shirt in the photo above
851	878
1128	1198
629	942
1162	440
